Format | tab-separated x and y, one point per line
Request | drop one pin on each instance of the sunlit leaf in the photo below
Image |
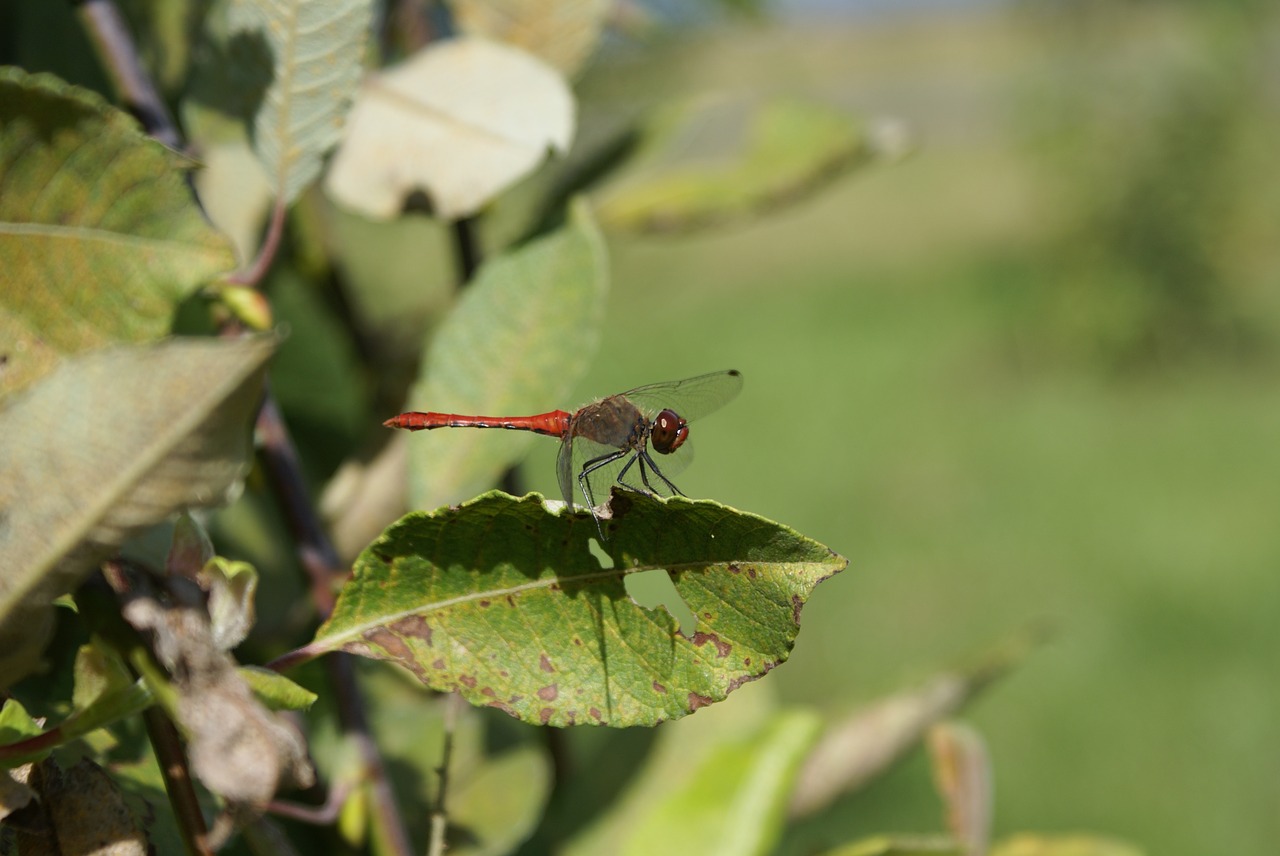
461	120
1081	844
275	690
899	845
562	32
110	443
543	302
503	602
734	802
314	51
702	162
231	586
99	234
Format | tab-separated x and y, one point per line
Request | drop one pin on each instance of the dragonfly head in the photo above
668	432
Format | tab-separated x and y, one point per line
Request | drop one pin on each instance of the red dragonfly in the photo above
608	439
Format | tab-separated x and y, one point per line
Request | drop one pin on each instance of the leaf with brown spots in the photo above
503	602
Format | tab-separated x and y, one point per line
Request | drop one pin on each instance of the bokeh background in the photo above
1028	373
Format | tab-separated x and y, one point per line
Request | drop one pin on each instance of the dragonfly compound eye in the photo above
668	432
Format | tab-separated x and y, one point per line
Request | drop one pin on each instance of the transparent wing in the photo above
604	475
691	398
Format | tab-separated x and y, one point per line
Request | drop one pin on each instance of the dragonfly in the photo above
614	439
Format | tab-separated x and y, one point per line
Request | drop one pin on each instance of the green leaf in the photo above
899	845
701	162
315	52
110	443
735	801
15	723
503	602
521	337
276	691
99	234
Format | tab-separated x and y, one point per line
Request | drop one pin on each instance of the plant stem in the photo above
320	561
110	36
267	253
439	813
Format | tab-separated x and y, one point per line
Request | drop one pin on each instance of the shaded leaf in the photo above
15	723
503	602
315	51
109	444
275	690
544	302
962	775
701	162
860	747
1028	844
100	236
461	120
562	32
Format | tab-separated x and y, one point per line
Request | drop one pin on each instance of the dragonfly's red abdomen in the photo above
553	424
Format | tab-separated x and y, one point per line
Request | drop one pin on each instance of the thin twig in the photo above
316	815
439	812
267	253
110	36
171	755
320	560
284	474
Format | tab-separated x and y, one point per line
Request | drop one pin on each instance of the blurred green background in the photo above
1028	373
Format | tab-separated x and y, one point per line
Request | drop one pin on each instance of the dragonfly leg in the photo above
643	477
644	458
591	466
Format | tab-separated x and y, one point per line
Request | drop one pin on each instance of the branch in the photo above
114	45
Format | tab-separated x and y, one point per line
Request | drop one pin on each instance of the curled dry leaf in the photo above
237	748
461	121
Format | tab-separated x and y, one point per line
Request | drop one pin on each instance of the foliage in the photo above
123	415
1150	141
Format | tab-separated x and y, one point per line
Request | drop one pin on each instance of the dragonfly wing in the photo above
566	474
692	398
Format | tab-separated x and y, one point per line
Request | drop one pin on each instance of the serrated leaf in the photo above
461	120
545	302
705	161
315	51
99	235
503	602
275	690
562	32
110	443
